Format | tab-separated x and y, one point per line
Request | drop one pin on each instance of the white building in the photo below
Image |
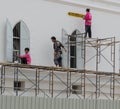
41	19
45	18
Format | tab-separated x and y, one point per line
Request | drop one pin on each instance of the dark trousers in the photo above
88	31
23	61
58	59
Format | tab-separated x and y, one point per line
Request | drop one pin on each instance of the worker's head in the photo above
27	50
87	10
53	38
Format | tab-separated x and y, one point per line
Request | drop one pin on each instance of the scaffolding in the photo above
99	45
59	82
55	89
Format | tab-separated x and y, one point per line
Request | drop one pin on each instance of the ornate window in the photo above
17	39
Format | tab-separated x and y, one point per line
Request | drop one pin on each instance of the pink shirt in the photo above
88	18
28	58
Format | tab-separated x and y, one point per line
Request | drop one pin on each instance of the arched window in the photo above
73	56
75	59
17	39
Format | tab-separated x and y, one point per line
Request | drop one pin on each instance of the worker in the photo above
57	45
88	19
25	58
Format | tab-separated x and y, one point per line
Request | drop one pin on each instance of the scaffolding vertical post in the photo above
2	79
68	84
112	79
68	52
37	82
16	79
83	75
51	90
68	64
97	75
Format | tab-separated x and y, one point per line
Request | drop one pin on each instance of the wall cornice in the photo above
103	5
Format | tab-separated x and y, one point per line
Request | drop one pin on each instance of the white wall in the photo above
45	19
60	84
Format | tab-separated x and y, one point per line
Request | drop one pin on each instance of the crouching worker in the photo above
57	45
26	58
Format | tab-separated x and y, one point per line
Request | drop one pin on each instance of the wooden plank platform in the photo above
58	69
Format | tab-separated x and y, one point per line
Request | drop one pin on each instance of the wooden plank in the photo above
76	14
58	69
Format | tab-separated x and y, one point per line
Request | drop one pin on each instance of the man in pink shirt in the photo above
26	58
88	19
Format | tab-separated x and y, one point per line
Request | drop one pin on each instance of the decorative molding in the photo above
109	2
103	5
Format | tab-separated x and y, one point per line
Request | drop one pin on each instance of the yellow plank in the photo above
76	14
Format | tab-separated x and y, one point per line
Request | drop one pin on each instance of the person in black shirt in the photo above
57	45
